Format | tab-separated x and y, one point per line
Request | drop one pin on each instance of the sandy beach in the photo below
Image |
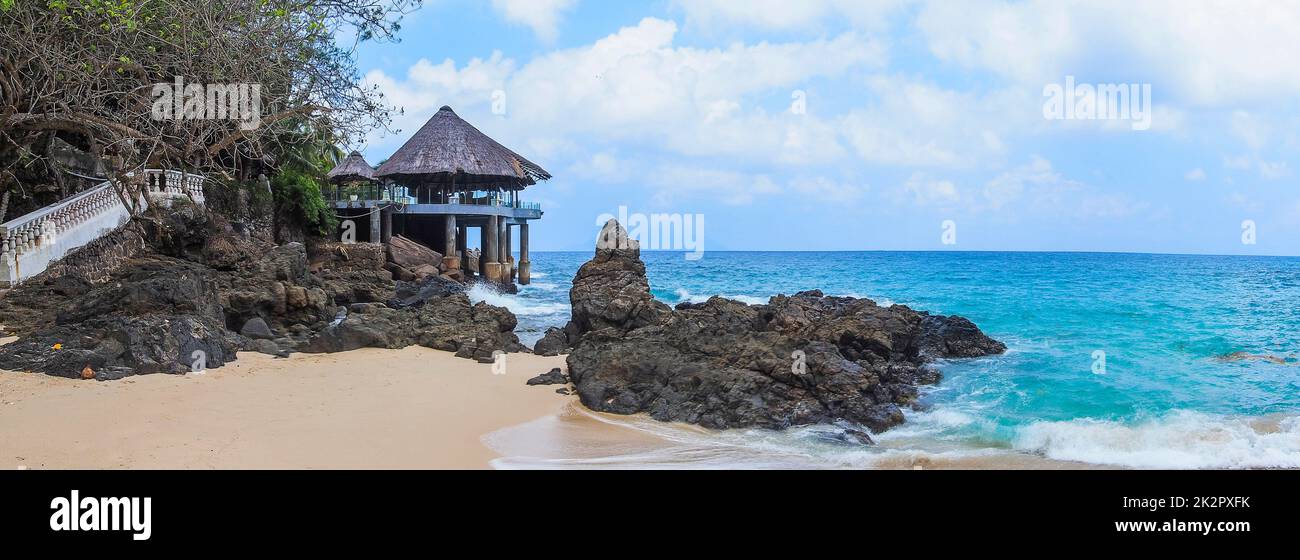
414	408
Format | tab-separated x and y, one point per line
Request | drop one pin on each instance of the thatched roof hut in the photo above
450	154
352	169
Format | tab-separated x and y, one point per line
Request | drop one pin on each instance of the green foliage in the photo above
298	197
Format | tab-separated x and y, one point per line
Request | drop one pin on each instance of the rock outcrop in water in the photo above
203	291
801	359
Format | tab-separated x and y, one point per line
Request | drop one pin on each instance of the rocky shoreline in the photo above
801	359
202	291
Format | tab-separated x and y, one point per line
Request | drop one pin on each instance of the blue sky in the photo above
915	113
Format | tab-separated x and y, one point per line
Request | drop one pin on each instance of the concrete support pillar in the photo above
482	250
503	249
375	231
449	256
388	226
510	256
462	248
525	266
492	238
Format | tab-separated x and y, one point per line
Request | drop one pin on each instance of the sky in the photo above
876	124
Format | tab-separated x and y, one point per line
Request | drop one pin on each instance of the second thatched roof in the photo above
447	150
352	168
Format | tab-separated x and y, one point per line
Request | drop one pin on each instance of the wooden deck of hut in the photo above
449	177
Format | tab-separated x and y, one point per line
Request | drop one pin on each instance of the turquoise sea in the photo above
1165	398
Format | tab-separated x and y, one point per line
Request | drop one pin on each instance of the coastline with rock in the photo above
201	289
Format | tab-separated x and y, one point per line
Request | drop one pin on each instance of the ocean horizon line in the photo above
938	252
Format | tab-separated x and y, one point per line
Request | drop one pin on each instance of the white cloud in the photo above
1034	190
1249	129
676	181
1272	170
1209	53
917	124
428	86
924	190
543	16
1197	174
636	82
1268	170
784	15
602	167
825	189
636	86
1044	185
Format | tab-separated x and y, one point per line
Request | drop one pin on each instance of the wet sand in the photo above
579	438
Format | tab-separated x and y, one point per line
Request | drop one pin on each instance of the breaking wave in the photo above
1178	440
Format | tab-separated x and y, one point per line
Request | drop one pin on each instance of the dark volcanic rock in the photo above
802	359
182	301
257	328
152	317
611	290
553	343
415	294
448	323
553	377
117	346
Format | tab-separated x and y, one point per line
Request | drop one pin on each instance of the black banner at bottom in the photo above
162	510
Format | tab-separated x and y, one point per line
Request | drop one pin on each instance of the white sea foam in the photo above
1180	439
1177	440
684	295
516	304
577	440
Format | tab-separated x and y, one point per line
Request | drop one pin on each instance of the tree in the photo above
104	73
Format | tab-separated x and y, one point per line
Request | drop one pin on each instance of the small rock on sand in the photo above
553	377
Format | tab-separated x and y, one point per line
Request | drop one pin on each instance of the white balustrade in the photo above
29	243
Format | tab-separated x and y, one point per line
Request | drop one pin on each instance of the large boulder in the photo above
114	347
448	322
611	290
151	317
801	359
415	294
411	255
201	291
553	343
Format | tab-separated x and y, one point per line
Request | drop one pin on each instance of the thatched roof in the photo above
447	147
353	168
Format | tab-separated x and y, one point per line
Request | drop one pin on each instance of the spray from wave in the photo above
685	296
517	305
